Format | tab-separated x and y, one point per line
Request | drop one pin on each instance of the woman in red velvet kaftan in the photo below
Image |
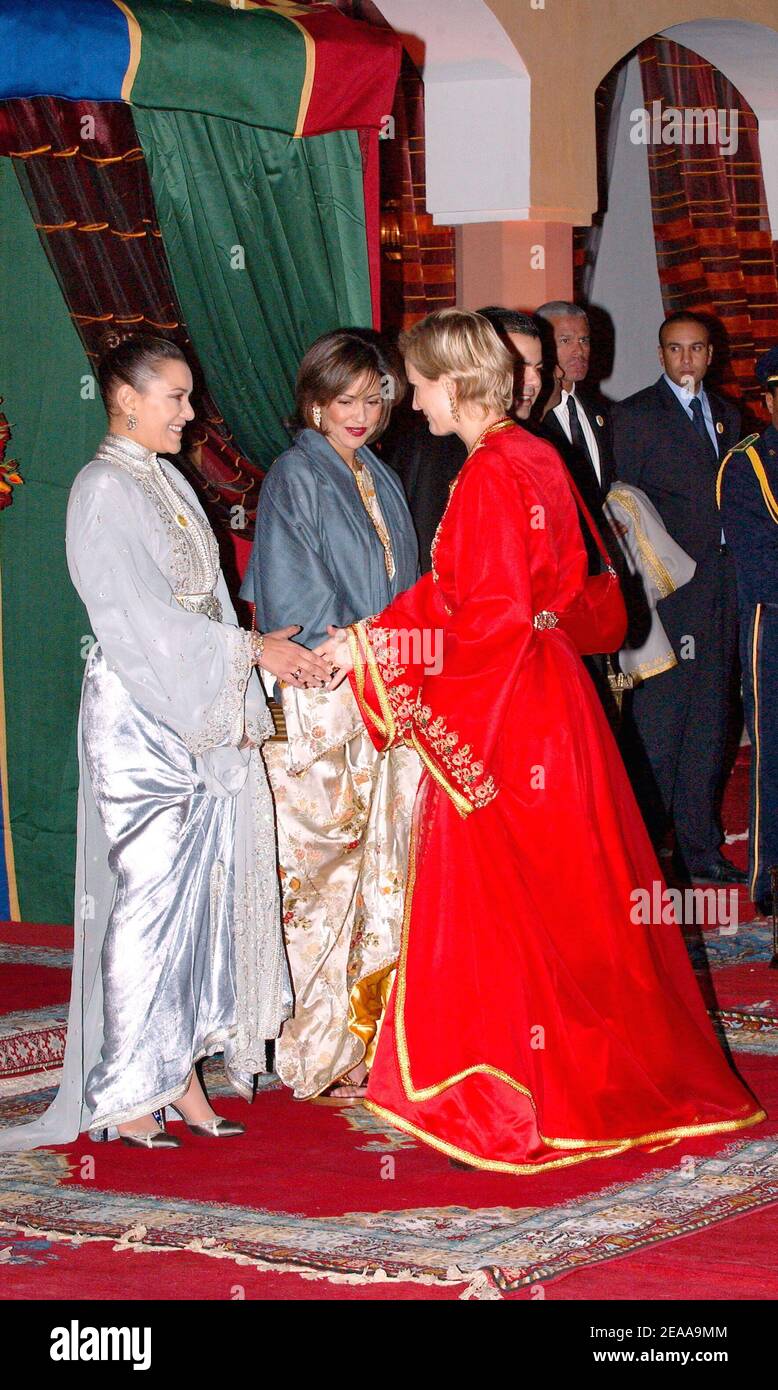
536	1021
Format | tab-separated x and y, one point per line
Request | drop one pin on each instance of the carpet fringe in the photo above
478	1285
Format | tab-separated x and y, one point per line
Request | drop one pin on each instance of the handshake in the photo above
326	667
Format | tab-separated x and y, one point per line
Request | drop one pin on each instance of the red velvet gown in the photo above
533	1022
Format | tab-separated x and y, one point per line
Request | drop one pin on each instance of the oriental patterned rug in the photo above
489	1252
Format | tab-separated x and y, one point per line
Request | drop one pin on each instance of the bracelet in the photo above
257	646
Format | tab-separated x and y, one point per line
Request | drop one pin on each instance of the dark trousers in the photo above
759	660
681	718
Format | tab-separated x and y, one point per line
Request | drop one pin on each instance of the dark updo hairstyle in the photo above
337	359
130	359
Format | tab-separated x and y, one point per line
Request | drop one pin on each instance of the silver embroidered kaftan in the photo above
178	946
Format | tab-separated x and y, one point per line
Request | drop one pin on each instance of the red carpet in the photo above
367	1213
326	1190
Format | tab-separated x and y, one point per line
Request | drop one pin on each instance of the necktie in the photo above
577	436
695	406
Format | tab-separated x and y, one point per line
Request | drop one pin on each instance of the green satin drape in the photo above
265	237
57	420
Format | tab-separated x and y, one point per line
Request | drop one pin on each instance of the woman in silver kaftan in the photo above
178	947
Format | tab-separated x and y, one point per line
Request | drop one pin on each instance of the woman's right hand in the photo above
337	654
292	663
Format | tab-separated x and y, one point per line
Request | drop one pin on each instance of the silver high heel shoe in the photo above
153	1139
214	1129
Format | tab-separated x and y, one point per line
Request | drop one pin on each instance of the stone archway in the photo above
569	47
511	140
747	54
624	281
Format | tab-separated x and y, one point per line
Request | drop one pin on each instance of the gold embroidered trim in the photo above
355	648
462	804
418	1094
363	657
380	688
434	545
458	760
767	493
647	669
465	1156
662	577
504	423
758	749
415	720
500	1166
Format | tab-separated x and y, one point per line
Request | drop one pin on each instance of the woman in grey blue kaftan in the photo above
317	556
332	544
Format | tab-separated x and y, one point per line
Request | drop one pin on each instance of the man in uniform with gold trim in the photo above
747	494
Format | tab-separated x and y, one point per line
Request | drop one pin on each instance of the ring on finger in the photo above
297	673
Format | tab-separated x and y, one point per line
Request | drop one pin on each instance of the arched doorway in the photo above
622	280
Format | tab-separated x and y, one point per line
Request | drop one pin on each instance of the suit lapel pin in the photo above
599	420
719	427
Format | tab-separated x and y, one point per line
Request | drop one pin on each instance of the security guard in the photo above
747	492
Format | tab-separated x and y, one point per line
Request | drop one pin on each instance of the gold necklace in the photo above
498	425
369	498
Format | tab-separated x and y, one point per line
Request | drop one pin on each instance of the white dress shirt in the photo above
685	398
564	419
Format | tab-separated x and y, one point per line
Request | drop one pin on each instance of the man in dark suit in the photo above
576	424
668	440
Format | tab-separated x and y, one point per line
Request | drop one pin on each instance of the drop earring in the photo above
132	422
316	413
453	406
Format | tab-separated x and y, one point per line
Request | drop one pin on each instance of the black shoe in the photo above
719	871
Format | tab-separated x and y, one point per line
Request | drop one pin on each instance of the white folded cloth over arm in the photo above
661	565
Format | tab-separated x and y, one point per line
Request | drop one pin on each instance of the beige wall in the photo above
568	47
521	264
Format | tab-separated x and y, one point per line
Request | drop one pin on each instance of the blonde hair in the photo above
463	346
